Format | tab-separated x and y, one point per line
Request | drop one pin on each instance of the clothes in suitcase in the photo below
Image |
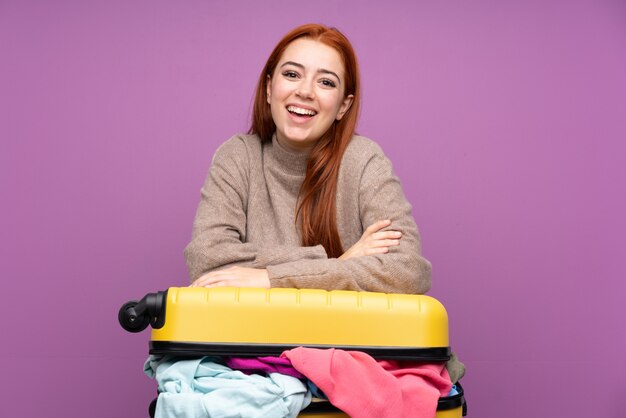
250	322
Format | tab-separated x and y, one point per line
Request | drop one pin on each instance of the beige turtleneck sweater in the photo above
246	217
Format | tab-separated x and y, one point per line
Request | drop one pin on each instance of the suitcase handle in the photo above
135	316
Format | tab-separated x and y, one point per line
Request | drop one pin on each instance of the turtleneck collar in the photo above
291	161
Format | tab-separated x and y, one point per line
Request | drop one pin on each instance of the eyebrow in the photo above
321	70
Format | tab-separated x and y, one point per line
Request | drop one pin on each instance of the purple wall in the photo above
506	123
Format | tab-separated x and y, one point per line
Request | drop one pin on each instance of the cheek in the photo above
279	89
332	103
275	101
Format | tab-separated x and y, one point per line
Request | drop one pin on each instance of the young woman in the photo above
301	200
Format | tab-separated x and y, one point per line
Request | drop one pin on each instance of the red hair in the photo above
317	208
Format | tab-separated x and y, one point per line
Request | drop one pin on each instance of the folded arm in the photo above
373	264
219	229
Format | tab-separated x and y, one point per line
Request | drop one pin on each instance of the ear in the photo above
268	88
345	106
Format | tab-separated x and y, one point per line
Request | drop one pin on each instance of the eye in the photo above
328	83
290	74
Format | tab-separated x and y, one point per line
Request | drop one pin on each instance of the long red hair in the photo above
317	201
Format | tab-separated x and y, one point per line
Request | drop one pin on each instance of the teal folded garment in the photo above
203	388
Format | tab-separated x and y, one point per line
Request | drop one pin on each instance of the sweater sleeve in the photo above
219	228
401	270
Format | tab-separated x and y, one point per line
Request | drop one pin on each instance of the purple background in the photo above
506	122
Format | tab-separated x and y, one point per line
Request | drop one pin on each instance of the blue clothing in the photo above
315	391
203	388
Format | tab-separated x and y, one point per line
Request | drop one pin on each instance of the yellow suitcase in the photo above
193	321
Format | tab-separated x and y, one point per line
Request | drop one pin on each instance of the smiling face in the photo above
306	93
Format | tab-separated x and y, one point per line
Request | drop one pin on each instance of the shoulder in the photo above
363	154
365	160
363	147
236	157
238	148
238	153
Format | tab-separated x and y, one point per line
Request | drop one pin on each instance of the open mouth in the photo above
298	111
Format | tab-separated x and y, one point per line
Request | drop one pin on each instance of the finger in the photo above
208	275
199	283
219	278
199	280
218	284
212	278
387	235
224	273
385	243
377	250
376	226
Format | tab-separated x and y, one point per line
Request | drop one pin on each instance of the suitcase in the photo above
250	322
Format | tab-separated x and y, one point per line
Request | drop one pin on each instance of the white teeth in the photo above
301	111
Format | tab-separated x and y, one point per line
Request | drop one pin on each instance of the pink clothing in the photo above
365	388
263	365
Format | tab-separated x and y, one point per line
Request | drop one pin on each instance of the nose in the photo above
305	90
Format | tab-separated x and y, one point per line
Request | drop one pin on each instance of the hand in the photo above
374	241
235	277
